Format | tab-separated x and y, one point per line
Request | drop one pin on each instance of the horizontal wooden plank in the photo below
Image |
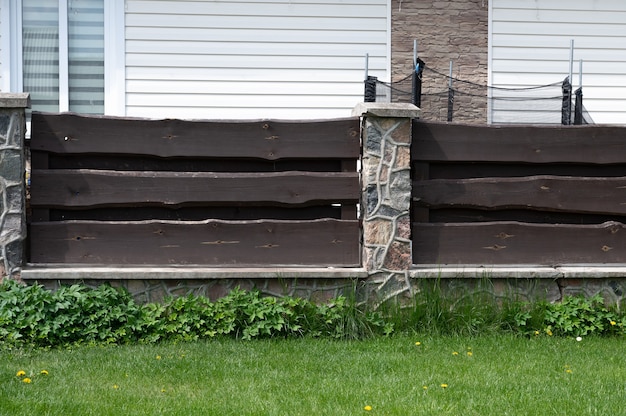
528	144
518	243
211	242
459	170
263	139
93	188
543	192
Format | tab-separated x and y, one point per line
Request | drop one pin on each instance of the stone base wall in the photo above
155	290
445	30
613	290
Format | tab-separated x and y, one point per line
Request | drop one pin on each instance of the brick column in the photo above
12	183
386	195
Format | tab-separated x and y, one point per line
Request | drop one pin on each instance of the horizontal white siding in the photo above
530	45
252	59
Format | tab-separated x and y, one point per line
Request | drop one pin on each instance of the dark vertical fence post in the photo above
578	107
566	108
370	89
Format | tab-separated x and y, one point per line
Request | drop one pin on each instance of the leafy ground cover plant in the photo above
32	315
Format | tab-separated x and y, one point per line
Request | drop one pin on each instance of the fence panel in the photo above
518	194
125	191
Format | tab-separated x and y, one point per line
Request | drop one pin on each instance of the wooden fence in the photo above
133	191
518	194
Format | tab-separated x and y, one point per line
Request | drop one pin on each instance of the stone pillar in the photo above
386	195
12	183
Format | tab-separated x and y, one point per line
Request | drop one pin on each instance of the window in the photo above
68	54
63	54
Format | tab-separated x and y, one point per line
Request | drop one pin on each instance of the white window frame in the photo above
114	53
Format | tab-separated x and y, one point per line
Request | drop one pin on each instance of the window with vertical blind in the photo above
63	54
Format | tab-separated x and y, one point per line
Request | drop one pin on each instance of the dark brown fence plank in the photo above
551	193
90	188
219	243
530	144
518	243
265	139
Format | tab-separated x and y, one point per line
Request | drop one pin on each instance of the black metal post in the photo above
566	108
417	83
370	89
578	107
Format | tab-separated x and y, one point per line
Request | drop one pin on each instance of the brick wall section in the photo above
445	30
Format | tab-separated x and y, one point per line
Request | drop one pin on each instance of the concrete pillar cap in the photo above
14	100
398	110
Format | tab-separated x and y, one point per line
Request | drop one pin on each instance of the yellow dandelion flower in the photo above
469	353
44	372
26	380
425	387
367	408
536	333
115	386
20	373
418	343
613	323
549	332
568	371
162	390
455	353
158	357
444	386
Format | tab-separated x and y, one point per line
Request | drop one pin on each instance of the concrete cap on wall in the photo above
399	110
14	100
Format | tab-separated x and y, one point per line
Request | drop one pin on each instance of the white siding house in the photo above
252	58
211	59
529	45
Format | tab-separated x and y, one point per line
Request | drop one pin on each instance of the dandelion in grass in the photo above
536	333
27	380
469	353
613	323
115	387
444	386
569	371
367	408
20	373
425	388
549	332
455	353
579	339
44	372
158	357
418	343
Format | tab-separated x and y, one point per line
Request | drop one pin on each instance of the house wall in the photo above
445	30
2	51
530	45
252	59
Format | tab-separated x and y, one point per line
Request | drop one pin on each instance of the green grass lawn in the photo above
485	375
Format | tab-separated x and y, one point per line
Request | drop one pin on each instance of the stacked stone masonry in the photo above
12	186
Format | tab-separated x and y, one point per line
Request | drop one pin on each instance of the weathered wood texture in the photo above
210	242
518	194
127	191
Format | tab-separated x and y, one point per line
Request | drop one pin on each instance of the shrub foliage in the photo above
34	316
